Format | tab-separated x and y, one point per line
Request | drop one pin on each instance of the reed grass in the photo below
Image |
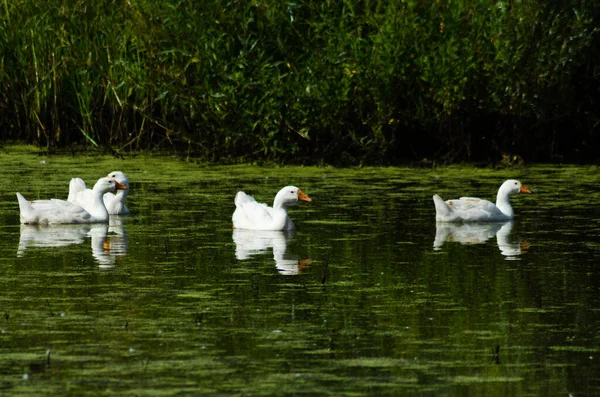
338	81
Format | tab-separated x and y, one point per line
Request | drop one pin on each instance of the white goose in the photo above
471	209
252	215
114	202
56	211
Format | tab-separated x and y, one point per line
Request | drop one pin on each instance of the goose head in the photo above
290	195
511	187
105	185
508	189
119	177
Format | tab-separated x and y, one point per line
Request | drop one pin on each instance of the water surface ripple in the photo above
369	296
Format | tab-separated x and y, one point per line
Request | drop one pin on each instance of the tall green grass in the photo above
335	80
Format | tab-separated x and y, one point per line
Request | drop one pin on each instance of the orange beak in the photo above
303	197
118	186
303	263
524	189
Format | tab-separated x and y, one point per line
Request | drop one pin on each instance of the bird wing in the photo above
256	213
249	213
472	208
59	211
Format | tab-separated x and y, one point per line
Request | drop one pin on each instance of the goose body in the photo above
115	202
251	215
56	211
471	209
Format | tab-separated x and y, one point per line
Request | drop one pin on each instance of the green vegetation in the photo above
337	81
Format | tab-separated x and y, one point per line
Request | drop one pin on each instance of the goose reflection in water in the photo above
107	241
113	244
249	243
479	233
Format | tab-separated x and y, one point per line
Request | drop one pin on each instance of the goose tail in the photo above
76	185
242	198
443	211
25	207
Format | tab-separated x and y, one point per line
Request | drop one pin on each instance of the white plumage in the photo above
55	211
471	209
249	214
114	202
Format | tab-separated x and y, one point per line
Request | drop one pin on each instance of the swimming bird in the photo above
249	214
57	211
114	202
471	209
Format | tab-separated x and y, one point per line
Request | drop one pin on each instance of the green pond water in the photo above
368	297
